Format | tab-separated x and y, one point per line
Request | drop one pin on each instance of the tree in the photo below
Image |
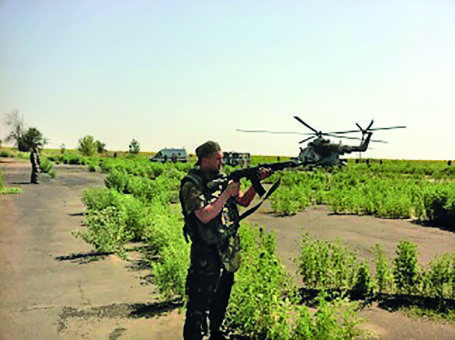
87	146
15	122
32	138
100	147
134	147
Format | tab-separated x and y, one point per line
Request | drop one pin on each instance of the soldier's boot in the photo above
34	178
195	326
218	335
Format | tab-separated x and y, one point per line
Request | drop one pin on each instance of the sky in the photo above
178	73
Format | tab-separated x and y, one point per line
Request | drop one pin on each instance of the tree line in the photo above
26	139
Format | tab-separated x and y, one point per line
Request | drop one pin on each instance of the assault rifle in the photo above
253	175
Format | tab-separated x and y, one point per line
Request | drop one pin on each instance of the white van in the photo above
171	155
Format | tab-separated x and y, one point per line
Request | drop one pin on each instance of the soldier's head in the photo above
210	157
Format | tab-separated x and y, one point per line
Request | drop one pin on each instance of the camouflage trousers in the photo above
34	175
208	287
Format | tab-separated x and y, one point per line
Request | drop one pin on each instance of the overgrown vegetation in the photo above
139	203
390	190
328	265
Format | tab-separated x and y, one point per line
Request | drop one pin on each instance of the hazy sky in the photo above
176	73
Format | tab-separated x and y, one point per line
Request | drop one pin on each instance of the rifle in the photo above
253	175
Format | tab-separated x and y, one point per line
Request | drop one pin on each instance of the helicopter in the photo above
321	152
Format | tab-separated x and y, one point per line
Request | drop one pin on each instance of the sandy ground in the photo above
51	288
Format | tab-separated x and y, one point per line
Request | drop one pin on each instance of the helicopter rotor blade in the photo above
368	129
272	132
360	128
388	128
344	137
309	127
357	138
343	132
306	139
369	126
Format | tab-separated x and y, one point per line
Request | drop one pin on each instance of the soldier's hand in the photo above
265	173
233	189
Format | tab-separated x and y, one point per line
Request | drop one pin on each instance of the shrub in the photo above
163	233
73	159
106	230
117	179
170	272
439	202
98	198
363	285
47	166
406	271
332	320
5	153
325	264
384	276
258	306
439	276
87	146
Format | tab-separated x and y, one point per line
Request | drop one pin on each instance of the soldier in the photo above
213	259
34	159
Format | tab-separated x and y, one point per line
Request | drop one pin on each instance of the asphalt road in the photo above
49	287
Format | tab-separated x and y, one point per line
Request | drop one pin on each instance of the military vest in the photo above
213	232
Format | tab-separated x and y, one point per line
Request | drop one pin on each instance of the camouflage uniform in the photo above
34	159
209	283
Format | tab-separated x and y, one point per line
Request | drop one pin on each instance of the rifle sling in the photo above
256	207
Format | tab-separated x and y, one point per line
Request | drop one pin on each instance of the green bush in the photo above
170	272
99	198
47	166
4	190
5	154
117	179
384	276
363	285
332	320
73	159
163	233
325	264
439	202
258	306
406	270
439	277
106	230
87	146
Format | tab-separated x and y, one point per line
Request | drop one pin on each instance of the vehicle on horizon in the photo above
321	152
233	158
170	155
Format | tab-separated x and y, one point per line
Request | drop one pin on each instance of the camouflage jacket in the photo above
195	194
